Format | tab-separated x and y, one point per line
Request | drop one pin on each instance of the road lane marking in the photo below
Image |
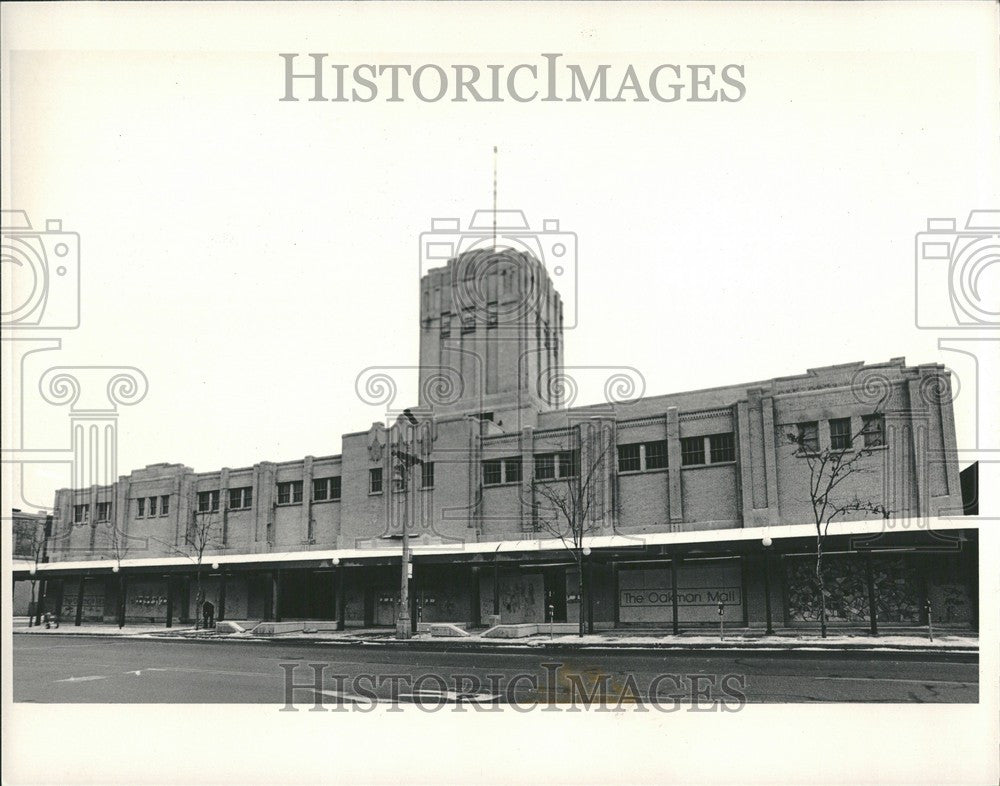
81	679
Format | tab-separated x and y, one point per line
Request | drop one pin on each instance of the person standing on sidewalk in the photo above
208	614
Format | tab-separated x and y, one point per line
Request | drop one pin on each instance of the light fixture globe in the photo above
215	566
114	569
766	540
586	551
335	561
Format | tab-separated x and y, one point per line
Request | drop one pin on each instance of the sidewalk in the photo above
785	641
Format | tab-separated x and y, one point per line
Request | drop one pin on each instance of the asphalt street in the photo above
84	669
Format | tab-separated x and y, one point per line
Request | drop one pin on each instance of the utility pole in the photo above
407	461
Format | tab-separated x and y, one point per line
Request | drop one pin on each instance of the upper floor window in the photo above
208	501
840	434
290	492
165	505
492	472
81	514
152	506
808	435
468	321
491	314
563	464
656	454
326	489
104	511
722	447
873	430
241	498
512	469
375	480
629	459
692	451
427	475
445	324
140	507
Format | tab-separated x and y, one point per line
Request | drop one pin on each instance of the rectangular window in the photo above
104	511
165	505
874	430
545	466
140	507
208	501
840	434
468	321
321	489
152	506
492	472
808	436
290	492
375	480
512	469
335	488
491	314
656	454
568	464
81	513
427	475
722	447
628	458
241	498
692	451
445	324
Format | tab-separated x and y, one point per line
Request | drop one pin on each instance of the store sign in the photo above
700	596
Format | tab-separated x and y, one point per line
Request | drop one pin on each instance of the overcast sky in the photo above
253	256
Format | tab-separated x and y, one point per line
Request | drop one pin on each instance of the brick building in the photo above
683	503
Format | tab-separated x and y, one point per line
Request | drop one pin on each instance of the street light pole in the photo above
407	461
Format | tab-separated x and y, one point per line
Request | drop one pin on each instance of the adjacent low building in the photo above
672	509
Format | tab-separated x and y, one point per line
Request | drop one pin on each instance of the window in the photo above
568	464
290	492
81	513
375	480
208	501
808	436
656	455
468	321
722	447
492	472
399	478
427	475
445	324
140	507
692	451
104	511
840	433
165	505
545	466
491	314
628	458
241	498
152	506
326	489
874	430
512	469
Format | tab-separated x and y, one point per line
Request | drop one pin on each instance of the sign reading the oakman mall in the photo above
706	596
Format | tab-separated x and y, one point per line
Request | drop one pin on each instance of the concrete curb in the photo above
954	653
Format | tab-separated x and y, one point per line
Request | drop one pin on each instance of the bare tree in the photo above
829	467
31	538
568	503
119	545
203	533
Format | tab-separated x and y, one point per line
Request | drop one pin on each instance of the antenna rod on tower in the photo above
494	196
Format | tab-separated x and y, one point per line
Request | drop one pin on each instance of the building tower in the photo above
491	337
